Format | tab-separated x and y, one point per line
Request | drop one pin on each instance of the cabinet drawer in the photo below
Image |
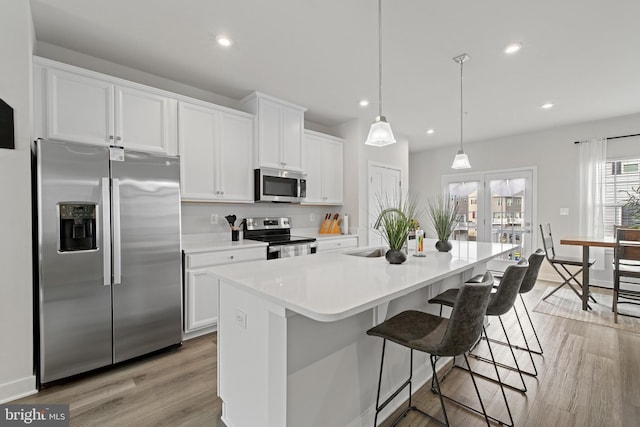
337	244
225	257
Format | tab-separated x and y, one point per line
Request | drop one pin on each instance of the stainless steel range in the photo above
277	232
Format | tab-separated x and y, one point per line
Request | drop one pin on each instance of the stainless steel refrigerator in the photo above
108	283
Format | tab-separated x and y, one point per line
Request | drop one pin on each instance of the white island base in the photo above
292	343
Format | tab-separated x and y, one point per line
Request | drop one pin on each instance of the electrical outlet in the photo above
312	217
241	319
214	218
564	211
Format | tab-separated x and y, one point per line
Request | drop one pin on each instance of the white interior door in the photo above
495	207
384	182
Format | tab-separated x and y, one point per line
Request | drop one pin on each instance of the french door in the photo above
495	207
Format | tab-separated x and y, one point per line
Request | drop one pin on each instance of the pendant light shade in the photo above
461	160
380	133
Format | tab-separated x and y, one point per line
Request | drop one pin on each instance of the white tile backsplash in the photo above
196	217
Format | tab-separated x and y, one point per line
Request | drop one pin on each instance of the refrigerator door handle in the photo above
117	273
106	233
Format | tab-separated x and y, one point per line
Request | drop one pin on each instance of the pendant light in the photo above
380	133
461	161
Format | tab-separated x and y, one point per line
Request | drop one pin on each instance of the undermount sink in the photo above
369	253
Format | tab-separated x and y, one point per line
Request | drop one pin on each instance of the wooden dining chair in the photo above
560	265
626	270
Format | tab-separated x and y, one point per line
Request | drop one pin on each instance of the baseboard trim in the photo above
17	389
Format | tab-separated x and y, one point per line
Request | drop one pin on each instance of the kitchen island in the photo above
292	348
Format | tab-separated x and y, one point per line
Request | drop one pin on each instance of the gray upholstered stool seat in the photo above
448	297
437	336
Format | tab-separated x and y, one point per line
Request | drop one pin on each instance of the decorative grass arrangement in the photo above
395	219
443	216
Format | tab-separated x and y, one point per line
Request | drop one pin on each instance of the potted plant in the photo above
633	203
443	218
394	222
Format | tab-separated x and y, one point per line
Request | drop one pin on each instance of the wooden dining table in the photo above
587	242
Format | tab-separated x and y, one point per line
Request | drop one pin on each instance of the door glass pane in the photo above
465	197
508	213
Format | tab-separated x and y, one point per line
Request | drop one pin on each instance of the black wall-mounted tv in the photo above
6	126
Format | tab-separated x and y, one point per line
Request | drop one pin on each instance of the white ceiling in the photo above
582	55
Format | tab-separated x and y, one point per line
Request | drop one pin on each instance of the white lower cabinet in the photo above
201	288
337	244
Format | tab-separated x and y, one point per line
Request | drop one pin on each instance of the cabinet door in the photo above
142	120
197	135
332	171
292	125
236	160
313	168
201	300
79	108
269	134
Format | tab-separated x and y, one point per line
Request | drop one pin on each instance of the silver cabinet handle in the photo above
106	233
117	267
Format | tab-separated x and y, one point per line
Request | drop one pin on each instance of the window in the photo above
620	177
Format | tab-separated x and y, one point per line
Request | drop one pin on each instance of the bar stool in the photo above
500	303
528	283
438	336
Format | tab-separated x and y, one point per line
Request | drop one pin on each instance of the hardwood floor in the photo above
589	376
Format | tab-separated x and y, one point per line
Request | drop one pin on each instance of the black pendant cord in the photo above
613	137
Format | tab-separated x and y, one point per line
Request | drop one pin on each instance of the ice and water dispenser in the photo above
77	226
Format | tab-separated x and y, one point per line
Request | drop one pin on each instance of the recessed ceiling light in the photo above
364	103
224	41
546	105
430	131
512	48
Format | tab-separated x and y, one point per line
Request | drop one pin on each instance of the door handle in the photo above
106	233
117	268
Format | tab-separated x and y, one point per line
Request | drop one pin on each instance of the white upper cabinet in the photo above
279	127
323	164
78	108
78	105
143	120
215	154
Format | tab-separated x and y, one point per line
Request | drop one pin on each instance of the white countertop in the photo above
333	286
190	247
209	242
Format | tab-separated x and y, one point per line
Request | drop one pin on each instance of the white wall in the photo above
556	158
357	157
16	326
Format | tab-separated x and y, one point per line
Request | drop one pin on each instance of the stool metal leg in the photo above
410	406
434	359
532	327
527	349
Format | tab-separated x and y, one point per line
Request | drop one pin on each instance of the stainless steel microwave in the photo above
273	185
